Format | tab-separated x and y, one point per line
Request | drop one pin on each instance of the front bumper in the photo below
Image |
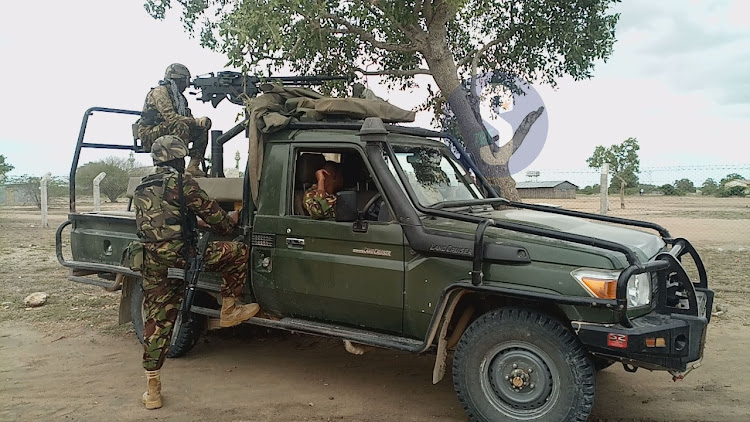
672	342
672	336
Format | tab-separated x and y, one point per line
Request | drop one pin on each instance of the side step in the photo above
356	335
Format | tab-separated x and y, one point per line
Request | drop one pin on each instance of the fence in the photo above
686	209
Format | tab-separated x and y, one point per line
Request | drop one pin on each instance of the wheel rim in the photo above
520	380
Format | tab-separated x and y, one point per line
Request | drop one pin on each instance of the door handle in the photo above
295	243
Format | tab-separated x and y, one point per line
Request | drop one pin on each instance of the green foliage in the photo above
729	178
4	168
725	192
530	38
684	185
589	190
709	187
113	185
623	161
670	190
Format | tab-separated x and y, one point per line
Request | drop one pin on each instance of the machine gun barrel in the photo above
236	87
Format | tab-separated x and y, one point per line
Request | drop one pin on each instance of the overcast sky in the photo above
677	81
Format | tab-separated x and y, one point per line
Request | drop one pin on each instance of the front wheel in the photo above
522	365
186	334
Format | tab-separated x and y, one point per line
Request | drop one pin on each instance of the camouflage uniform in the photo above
159	221
320	205
168	122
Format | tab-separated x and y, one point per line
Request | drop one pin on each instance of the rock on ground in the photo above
36	299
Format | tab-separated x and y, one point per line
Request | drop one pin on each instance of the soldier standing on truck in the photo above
320	200
166	204
165	112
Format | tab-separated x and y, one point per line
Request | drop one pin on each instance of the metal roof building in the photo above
560	189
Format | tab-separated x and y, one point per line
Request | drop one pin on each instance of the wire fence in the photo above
681	198
708	204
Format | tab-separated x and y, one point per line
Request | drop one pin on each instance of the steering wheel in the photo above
366	210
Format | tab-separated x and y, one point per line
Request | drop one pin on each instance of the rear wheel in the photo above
186	334
522	365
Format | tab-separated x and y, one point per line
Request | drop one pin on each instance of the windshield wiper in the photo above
468	203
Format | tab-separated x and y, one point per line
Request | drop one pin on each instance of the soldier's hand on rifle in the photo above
203	122
202	225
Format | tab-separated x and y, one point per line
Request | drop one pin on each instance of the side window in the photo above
353	172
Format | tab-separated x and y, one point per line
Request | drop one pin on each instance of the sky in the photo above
677	81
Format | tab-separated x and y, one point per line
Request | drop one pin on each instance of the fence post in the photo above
603	187
97	195
43	187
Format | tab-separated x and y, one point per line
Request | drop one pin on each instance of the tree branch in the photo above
368	37
523	130
475	55
409	72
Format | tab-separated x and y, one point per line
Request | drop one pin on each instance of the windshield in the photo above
434	175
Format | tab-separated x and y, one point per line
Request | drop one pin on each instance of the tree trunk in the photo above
493	165
622	193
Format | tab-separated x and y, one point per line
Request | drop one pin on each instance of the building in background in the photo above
547	190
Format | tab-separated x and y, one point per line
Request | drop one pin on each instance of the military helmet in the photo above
167	148
177	71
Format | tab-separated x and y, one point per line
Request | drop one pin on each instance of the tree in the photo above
623	161
113	185
451	40
684	185
670	190
29	188
709	187
729	178
4	168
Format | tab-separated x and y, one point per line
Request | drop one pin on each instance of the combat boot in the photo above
152	396
233	313
194	169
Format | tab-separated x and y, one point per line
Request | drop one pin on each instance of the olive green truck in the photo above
528	301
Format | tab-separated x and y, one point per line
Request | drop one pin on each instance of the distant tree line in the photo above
680	187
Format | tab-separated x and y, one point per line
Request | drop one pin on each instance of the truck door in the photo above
326	270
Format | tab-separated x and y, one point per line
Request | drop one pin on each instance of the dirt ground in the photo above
69	360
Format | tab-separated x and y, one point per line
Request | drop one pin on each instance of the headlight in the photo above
603	284
639	290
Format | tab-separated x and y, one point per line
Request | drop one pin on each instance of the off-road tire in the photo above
183	340
559	387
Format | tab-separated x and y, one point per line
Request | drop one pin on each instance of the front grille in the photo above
264	240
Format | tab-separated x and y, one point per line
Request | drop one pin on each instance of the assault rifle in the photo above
234	85
194	270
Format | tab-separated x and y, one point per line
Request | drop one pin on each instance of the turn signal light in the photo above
656	342
603	289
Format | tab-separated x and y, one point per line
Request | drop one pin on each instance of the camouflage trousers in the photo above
196	135
162	296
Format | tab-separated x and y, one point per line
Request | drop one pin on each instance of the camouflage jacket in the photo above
157	208
159	108
320	205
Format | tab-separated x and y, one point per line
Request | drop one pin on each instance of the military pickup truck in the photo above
526	301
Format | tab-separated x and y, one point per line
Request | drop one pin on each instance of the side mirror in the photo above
346	206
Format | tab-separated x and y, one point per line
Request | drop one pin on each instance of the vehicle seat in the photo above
304	177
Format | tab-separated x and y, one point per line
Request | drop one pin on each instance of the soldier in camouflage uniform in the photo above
320	200
165	204
165	112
